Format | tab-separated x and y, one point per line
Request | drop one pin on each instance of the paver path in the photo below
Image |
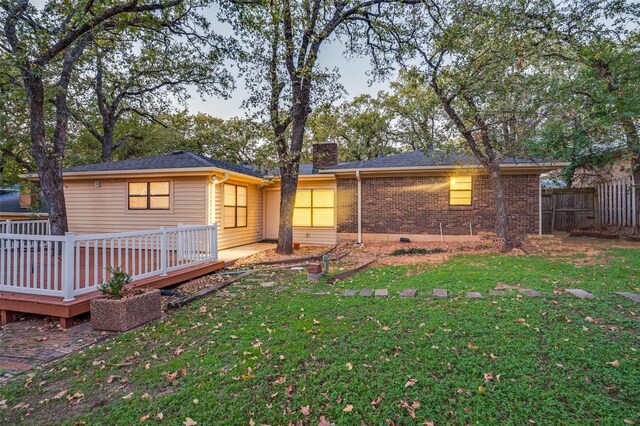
497	292
280	289
28	344
366	292
302	290
268	284
350	293
474	295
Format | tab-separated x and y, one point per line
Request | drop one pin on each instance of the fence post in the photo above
68	259
214	241
9	227
163	252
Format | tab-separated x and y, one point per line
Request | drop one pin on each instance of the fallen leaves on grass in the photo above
376	402
348	408
472	346
410	383
305	410
145	418
349	366
58	395
290	390
411	408
128	396
614	363
174	376
189	422
324	421
280	380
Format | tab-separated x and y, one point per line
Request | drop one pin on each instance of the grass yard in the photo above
260	358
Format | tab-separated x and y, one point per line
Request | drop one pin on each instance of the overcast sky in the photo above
353	76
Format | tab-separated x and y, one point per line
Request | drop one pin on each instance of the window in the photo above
314	208
235	206
148	195
460	188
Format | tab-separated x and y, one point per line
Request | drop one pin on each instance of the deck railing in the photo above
25	227
71	265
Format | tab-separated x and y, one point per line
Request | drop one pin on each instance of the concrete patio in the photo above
235	253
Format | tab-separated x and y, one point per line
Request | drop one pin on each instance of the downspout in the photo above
359	207
215	181
540	205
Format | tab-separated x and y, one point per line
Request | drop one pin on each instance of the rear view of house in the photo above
419	195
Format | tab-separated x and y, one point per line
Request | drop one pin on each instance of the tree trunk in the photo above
107	144
288	188
502	216
49	166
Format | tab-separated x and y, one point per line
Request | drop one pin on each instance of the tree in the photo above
283	39
43	46
599	42
141	71
361	128
483	73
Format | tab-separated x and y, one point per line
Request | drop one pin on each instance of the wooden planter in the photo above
125	314
314	271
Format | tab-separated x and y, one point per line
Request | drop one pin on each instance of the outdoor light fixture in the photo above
96	184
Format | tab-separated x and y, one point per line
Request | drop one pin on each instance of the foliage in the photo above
416	250
114	287
259	359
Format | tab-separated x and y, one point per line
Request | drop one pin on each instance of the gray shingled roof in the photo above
176	160
10	203
423	159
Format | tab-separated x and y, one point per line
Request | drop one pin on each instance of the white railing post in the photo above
181	244
9	226
68	259
214	242
163	252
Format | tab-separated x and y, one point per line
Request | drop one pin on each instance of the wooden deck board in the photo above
55	306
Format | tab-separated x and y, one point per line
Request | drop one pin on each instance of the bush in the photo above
114	287
416	250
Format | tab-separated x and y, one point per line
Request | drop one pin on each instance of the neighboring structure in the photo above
422	196
16	205
615	203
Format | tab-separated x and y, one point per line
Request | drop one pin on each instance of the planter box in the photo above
314	271
125	314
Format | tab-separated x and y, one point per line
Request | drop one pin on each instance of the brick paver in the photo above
268	284
474	295
440	292
580	293
280	289
366	292
29	344
350	293
382	292
409	292
630	295
529	292
497	292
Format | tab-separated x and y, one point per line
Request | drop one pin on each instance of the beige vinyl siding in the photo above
97	210
232	237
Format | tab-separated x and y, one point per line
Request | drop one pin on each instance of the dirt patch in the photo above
271	255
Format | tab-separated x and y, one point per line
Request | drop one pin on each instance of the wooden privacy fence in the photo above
71	265
617	203
564	209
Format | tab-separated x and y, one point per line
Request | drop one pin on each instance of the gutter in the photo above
537	166
359	207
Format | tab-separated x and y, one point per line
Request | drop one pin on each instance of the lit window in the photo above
235	206
149	196
460	188
314	208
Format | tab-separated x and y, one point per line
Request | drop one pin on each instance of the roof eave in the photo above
191	171
532	166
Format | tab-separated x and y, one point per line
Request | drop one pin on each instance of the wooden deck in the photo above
11	302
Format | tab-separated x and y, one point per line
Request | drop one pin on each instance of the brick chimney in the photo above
325	155
29	195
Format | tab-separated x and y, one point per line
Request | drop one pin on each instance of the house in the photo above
19	205
424	196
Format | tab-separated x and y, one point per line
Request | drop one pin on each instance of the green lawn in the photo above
259	358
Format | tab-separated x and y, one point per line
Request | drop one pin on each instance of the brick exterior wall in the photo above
417	205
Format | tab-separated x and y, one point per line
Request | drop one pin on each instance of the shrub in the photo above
416	250
114	287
